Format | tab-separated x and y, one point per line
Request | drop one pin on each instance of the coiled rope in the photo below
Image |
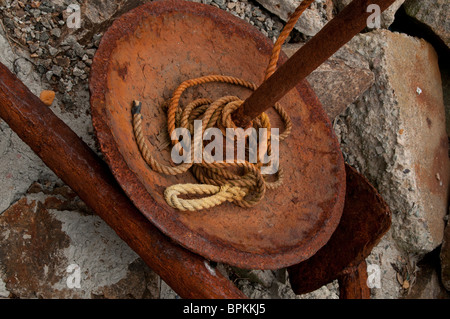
218	181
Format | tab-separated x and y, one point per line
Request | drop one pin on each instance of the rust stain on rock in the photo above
31	244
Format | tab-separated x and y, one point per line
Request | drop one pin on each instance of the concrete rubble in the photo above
395	135
383	92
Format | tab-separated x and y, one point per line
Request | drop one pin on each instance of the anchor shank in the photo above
317	50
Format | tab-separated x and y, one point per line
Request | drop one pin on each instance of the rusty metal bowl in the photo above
145	55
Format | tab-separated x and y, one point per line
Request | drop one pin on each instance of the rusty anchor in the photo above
85	173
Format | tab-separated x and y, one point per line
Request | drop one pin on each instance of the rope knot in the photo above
237	193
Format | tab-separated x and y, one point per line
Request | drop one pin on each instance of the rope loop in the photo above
219	195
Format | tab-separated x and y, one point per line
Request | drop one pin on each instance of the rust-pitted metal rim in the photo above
113	75
365	220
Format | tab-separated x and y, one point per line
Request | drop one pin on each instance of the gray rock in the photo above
56	32
53	51
309	23
340	80
77	71
44	37
19	167
69	40
402	116
320	12
433	13
78	49
57	70
329	291
33	47
9	23
6	52
263	277
24	70
48	75
90	52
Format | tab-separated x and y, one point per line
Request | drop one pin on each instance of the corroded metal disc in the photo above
145	55
366	218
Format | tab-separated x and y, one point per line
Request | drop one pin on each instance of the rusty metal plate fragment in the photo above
366	218
145	55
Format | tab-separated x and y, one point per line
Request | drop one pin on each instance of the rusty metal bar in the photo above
353	283
309	57
81	169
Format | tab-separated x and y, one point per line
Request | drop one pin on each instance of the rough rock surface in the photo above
395	134
338	81
435	14
41	237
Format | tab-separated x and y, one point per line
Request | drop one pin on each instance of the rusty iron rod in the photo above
82	170
309	57
353	283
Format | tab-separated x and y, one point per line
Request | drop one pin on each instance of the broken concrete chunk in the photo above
6	52
340	80
395	135
311	21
